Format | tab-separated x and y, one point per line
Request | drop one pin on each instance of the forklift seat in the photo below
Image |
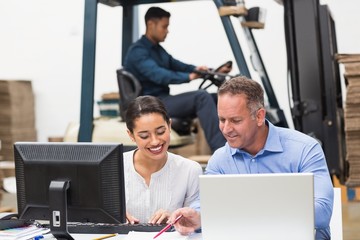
130	88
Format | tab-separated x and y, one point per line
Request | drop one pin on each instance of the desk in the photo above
92	236
196	236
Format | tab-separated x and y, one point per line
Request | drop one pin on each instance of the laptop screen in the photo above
257	206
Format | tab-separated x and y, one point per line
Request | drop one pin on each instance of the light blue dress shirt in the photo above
285	151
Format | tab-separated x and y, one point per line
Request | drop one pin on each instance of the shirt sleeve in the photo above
176	71
196	204
221	162
193	184
314	162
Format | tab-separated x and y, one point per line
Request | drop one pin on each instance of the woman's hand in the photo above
131	219
160	216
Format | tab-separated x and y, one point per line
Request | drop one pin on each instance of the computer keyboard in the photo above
13	223
122	228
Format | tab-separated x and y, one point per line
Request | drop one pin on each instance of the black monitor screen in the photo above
94	177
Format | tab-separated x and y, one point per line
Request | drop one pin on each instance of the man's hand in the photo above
193	75
160	216
190	221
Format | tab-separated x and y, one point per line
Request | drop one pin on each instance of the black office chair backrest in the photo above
129	89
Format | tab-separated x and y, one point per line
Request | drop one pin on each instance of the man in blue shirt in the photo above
149	62
254	145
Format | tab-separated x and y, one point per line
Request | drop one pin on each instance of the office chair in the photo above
130	88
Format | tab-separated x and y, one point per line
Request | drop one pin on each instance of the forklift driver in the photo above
155	69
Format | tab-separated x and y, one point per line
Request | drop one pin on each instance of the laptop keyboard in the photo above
122	228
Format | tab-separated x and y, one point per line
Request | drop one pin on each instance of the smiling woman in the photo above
156	181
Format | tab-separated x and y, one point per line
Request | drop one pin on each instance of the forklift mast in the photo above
315	79
314	74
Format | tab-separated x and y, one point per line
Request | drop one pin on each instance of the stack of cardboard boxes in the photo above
17	123
17	115
351	64
199	150
109	105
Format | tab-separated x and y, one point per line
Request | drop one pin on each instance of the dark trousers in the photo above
198	104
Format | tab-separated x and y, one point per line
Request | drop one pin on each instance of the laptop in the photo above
275	206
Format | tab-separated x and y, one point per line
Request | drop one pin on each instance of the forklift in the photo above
317	105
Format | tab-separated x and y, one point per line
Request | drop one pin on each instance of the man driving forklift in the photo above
155	69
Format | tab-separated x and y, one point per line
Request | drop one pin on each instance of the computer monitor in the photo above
75	182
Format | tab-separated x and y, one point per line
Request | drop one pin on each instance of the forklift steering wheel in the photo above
216	78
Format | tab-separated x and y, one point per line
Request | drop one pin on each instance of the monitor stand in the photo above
58	209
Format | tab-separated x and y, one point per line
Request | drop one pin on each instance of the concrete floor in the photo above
351	220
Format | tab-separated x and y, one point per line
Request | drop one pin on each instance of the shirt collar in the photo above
272	144
147	42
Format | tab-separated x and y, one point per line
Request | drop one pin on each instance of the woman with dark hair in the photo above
157	182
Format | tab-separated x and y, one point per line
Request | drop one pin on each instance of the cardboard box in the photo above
199	147
351	64
17	115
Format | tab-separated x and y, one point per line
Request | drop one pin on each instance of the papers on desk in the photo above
22	233
150	236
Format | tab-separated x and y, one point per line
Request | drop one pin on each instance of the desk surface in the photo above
93	236
196	236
